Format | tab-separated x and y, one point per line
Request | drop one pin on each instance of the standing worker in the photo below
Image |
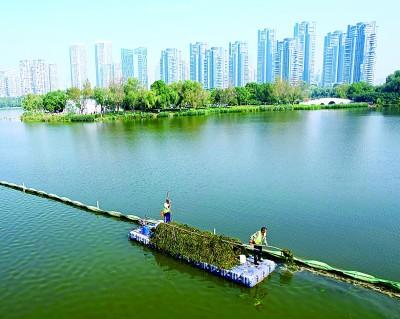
258	239
166	211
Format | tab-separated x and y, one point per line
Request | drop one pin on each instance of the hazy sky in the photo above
45	28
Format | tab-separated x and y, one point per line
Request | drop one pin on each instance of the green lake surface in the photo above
326	183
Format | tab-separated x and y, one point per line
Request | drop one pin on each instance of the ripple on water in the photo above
61	261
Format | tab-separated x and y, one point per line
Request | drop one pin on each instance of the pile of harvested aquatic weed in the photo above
196	245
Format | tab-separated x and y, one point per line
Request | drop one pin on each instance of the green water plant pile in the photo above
288	258
198	246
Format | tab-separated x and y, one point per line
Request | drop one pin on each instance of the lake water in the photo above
326	183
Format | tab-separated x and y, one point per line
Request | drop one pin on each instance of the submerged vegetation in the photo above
200	246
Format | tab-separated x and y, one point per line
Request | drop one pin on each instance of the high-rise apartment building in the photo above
266	54
170	63
9	84
278	61
333	59
185	75
365	59
13	84
104	64
53	77
350	57
238	64
290	68
36	76
117	77
217	68
183	70
304	34
341	58
349	54
26	77
78	65
198	62
140	66
252	74
127	64
39	76
3	88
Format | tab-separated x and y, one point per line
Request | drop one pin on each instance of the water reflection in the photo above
285	276
10	114
256	297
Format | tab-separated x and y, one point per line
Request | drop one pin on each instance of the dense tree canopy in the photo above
55	101
188	94
32	103
386	94
392	84
165	95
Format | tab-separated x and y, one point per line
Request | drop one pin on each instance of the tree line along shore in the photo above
131	101
138	115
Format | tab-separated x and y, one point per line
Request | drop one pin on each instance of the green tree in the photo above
32	103
252	89
132	88
359	88
87	93
319	92
164	95
389	93
115	97
281	91
74	94
229	97
10	102
243	96
216	96
190	94
132	84
296	94
392	84
100	96
55	101
176	94
130	100
264	93
341	91
146	100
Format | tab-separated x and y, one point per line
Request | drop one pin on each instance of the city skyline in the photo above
46	29
348	57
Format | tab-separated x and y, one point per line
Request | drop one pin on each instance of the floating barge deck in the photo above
247	274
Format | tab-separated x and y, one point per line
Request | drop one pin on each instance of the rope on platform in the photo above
389	287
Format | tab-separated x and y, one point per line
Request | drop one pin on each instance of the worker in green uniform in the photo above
258	239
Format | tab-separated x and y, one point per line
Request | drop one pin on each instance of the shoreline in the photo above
139	115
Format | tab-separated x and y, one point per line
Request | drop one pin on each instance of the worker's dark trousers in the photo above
167	218
257	253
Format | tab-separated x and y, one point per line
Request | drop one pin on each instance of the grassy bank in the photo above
138	115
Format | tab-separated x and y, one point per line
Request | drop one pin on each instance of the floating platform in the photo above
247	274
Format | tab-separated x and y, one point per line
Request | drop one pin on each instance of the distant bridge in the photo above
327	101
